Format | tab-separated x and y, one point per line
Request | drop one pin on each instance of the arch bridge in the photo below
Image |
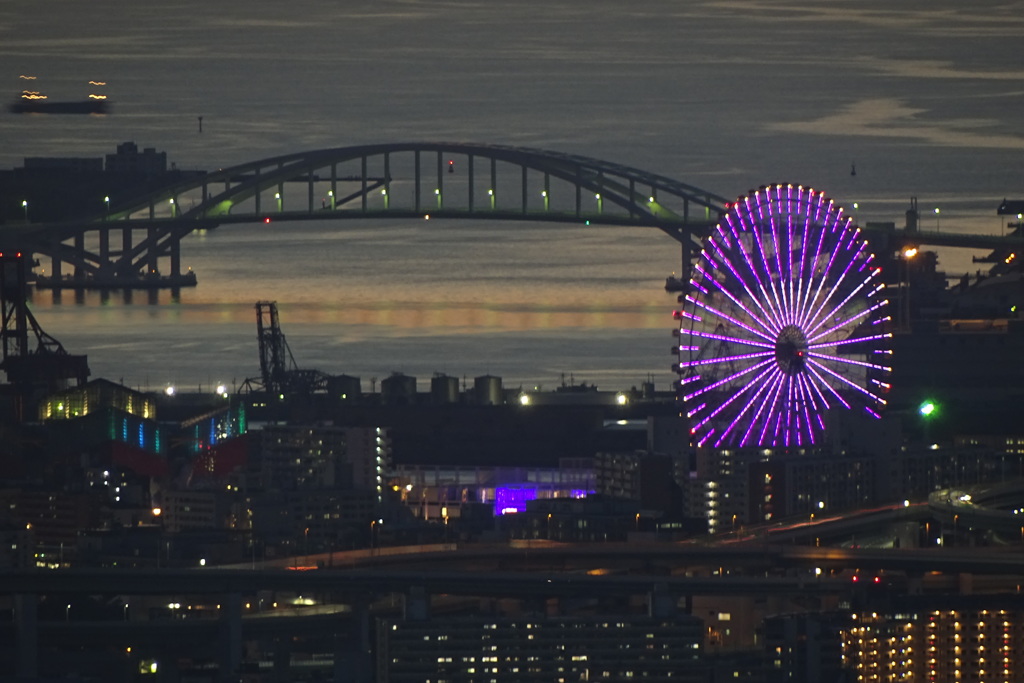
396	180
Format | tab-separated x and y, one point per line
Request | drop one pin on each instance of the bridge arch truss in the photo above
398	180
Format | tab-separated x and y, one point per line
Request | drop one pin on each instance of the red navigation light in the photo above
855	578
267	219
18	255
878	579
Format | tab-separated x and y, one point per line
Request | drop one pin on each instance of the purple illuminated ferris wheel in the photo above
784	320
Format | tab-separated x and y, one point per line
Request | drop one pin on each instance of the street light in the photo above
24	205
106	203
937	212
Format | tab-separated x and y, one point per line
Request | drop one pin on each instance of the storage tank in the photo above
398	389
487	390
345	387
444	389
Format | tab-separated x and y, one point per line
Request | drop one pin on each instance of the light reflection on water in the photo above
723	94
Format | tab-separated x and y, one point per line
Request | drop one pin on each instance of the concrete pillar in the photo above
26	634
230	645
55	266
80	248
151	258
175	258
104	247
126	252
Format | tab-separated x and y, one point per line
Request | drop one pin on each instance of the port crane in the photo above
279	373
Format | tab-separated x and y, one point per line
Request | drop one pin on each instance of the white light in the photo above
524	399
170	391
221	389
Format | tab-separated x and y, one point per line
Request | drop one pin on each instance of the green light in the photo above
927	408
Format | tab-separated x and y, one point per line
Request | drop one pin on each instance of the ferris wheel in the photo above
785	319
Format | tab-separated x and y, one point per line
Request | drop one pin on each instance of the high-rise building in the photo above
537	648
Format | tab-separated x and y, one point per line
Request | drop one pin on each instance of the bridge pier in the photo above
151	257
175	258
79	247
126	251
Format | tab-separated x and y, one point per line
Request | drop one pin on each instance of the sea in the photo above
872	101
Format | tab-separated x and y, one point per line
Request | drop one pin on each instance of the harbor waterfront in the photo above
525	302
418	447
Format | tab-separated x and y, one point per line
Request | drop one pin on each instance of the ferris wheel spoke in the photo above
847	321
779	306
750	258
773	229
805	299
727	338
739	392
761	303
727	380
810	390
816	320
723	359
839	251
822	382
769	408
772	328
734	321
850	340
839	277
806	404
847	382
767	381
849	361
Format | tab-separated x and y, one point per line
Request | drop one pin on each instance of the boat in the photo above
35	102
45	106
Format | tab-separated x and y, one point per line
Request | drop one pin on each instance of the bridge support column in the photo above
104	247
685	260
175	258
152	265
334	185
55	267
230	637
310	192
363	192
26	634
126	252
80	248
